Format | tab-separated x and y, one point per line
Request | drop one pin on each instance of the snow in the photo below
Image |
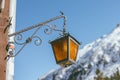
102	54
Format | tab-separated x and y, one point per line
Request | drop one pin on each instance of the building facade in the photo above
7	10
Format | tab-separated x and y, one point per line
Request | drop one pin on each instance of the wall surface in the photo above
4	17
10	62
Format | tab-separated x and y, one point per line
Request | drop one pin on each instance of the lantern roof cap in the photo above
65	35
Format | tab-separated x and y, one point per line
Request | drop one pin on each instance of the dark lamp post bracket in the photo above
37	40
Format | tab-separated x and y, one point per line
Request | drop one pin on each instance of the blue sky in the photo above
87	20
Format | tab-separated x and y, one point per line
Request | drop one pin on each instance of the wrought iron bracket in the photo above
50	28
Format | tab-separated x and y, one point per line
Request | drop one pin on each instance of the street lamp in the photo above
65	48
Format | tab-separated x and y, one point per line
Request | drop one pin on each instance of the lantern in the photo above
65	50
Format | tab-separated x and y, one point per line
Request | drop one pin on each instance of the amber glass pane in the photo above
60	49
73	50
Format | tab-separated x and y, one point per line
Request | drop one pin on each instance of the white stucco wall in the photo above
10	62
3	4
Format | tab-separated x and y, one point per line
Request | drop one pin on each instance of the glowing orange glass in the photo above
60	49
73	50
65	50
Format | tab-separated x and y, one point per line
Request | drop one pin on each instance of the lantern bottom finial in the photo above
66	63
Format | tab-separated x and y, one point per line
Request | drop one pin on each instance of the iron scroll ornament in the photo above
18	37
38	41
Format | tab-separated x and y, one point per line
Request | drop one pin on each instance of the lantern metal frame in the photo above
68	59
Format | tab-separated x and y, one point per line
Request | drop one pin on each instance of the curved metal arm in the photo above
37	40
41	24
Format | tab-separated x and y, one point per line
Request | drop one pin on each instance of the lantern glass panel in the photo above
73	49
60	49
